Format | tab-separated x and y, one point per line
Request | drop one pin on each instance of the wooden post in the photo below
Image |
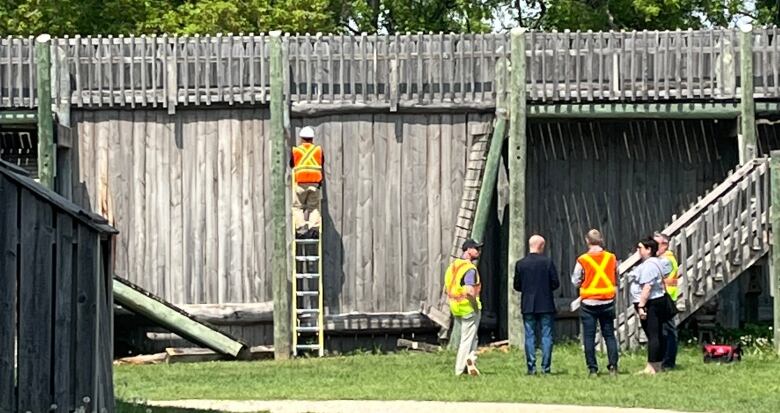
774	262
747	137
281	286
517	166
45	118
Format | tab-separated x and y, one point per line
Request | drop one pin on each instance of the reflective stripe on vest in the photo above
308	164
456	293
601	285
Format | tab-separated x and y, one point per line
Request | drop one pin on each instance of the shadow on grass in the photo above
126	407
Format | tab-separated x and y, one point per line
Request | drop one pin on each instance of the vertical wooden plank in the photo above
382	136
9	240
35	304
175	241
364	245
86	318
235	233
433	279
414	211
775	252
249	138
46	163
747	137
281	288
364	66
517	168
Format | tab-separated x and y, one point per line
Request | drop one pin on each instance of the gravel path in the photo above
372	406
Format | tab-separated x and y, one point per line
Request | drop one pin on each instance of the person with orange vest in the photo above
462	286
306	160
595	274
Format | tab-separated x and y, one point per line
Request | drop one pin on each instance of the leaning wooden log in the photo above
417	345
177	321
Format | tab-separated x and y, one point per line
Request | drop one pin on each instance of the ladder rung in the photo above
306	293
308	346
309	258
306	311
306	241
307	329
306	275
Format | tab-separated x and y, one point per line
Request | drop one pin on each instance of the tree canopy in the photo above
186	17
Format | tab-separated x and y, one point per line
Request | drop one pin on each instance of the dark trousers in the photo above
653	325
670	333
546	323
604	316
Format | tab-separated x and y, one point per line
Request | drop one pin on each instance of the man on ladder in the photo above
306	160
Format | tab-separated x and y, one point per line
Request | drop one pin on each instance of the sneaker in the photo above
471	367
613	372
531	372
593	373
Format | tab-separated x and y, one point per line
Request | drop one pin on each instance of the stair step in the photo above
307	329
304	275
307	293
307	311
307	258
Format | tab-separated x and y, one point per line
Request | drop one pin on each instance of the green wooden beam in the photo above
517	170
748	146
178	323
634	110
774	262
18	117
489	178
281	285
46	162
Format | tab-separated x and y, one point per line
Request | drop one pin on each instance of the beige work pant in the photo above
467	349
306	206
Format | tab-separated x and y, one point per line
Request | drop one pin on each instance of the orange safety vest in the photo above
599	282
307	161
456	293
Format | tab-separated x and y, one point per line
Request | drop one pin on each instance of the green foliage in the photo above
748	386
645	14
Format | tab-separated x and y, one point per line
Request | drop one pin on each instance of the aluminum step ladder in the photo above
307	317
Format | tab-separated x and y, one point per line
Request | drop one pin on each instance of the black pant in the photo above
653	325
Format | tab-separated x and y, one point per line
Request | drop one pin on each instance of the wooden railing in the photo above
716	240
391	70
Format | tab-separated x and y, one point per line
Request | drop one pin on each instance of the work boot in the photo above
471	367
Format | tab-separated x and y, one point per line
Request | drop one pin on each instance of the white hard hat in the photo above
307	132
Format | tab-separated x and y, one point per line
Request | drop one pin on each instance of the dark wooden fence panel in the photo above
9	233
54	278
35	304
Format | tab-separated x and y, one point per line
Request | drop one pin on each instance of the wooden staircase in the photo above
719	237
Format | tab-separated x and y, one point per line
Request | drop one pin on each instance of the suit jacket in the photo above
536	278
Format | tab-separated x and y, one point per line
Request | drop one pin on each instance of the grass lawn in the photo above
750	386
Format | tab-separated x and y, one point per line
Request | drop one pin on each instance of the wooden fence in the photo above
385	71
56	324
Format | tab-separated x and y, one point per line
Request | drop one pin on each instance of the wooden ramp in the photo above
717	239
142	302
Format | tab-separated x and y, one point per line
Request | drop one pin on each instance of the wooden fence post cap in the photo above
746	28
275	33
43	38
517	31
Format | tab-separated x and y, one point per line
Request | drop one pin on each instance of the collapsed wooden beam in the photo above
174	319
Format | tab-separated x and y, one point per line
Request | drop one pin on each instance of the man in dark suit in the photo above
536	279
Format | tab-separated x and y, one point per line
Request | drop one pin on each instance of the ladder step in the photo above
306	275
307	258
307	329
306	293
308	346
306	241
306	311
